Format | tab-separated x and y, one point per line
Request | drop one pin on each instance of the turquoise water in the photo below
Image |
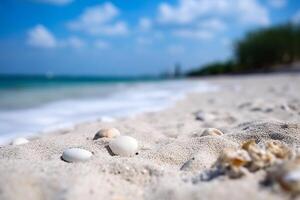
35	105
25	91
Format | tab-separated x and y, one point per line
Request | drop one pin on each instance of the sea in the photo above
32	105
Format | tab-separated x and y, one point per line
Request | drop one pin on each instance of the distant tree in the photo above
260	50
264	48
214	68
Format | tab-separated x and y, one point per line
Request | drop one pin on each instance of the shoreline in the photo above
100	103
173	153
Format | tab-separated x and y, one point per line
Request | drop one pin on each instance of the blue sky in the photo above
132	37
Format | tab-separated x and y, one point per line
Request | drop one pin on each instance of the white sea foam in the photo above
127	100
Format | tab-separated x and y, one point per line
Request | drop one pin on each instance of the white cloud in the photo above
188	11
145	24
100	44
95	15
277	3
55	2
213	24
40	36
194	34
99	20
251	12
296	18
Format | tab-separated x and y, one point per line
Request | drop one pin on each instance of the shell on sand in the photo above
232	162
287	174
278	149
261	158
253	157
19	141
202	116
212	132
236	158
108	133
124	146
76	155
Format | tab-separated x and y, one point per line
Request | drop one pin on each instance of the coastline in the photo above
47	108
170	138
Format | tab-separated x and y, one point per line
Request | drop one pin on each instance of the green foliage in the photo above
214	68
260	50
265	48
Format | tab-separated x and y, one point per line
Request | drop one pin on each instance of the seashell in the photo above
259	156
202	116
124	146
236	158
292	176
19	141
232	162
108	133
253	157
287	175
76	155
249	144
212	132
278	149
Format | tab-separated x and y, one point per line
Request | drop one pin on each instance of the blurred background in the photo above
133	38
64	61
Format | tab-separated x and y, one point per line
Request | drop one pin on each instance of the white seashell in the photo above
108	133
76	155
212	132
202	116
292	176
124	146
19	141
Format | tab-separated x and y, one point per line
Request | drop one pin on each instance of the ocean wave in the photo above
105	102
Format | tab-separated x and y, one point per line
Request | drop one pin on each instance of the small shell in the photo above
249	144
202	116
259	156
124	146
212	132
287	175
19	141
232	162
236	158
76	155
278	149
108	133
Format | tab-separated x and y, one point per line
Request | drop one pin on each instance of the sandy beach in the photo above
173	154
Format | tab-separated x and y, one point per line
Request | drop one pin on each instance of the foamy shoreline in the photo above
66	113
257	109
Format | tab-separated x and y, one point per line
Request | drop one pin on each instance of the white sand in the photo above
174	153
